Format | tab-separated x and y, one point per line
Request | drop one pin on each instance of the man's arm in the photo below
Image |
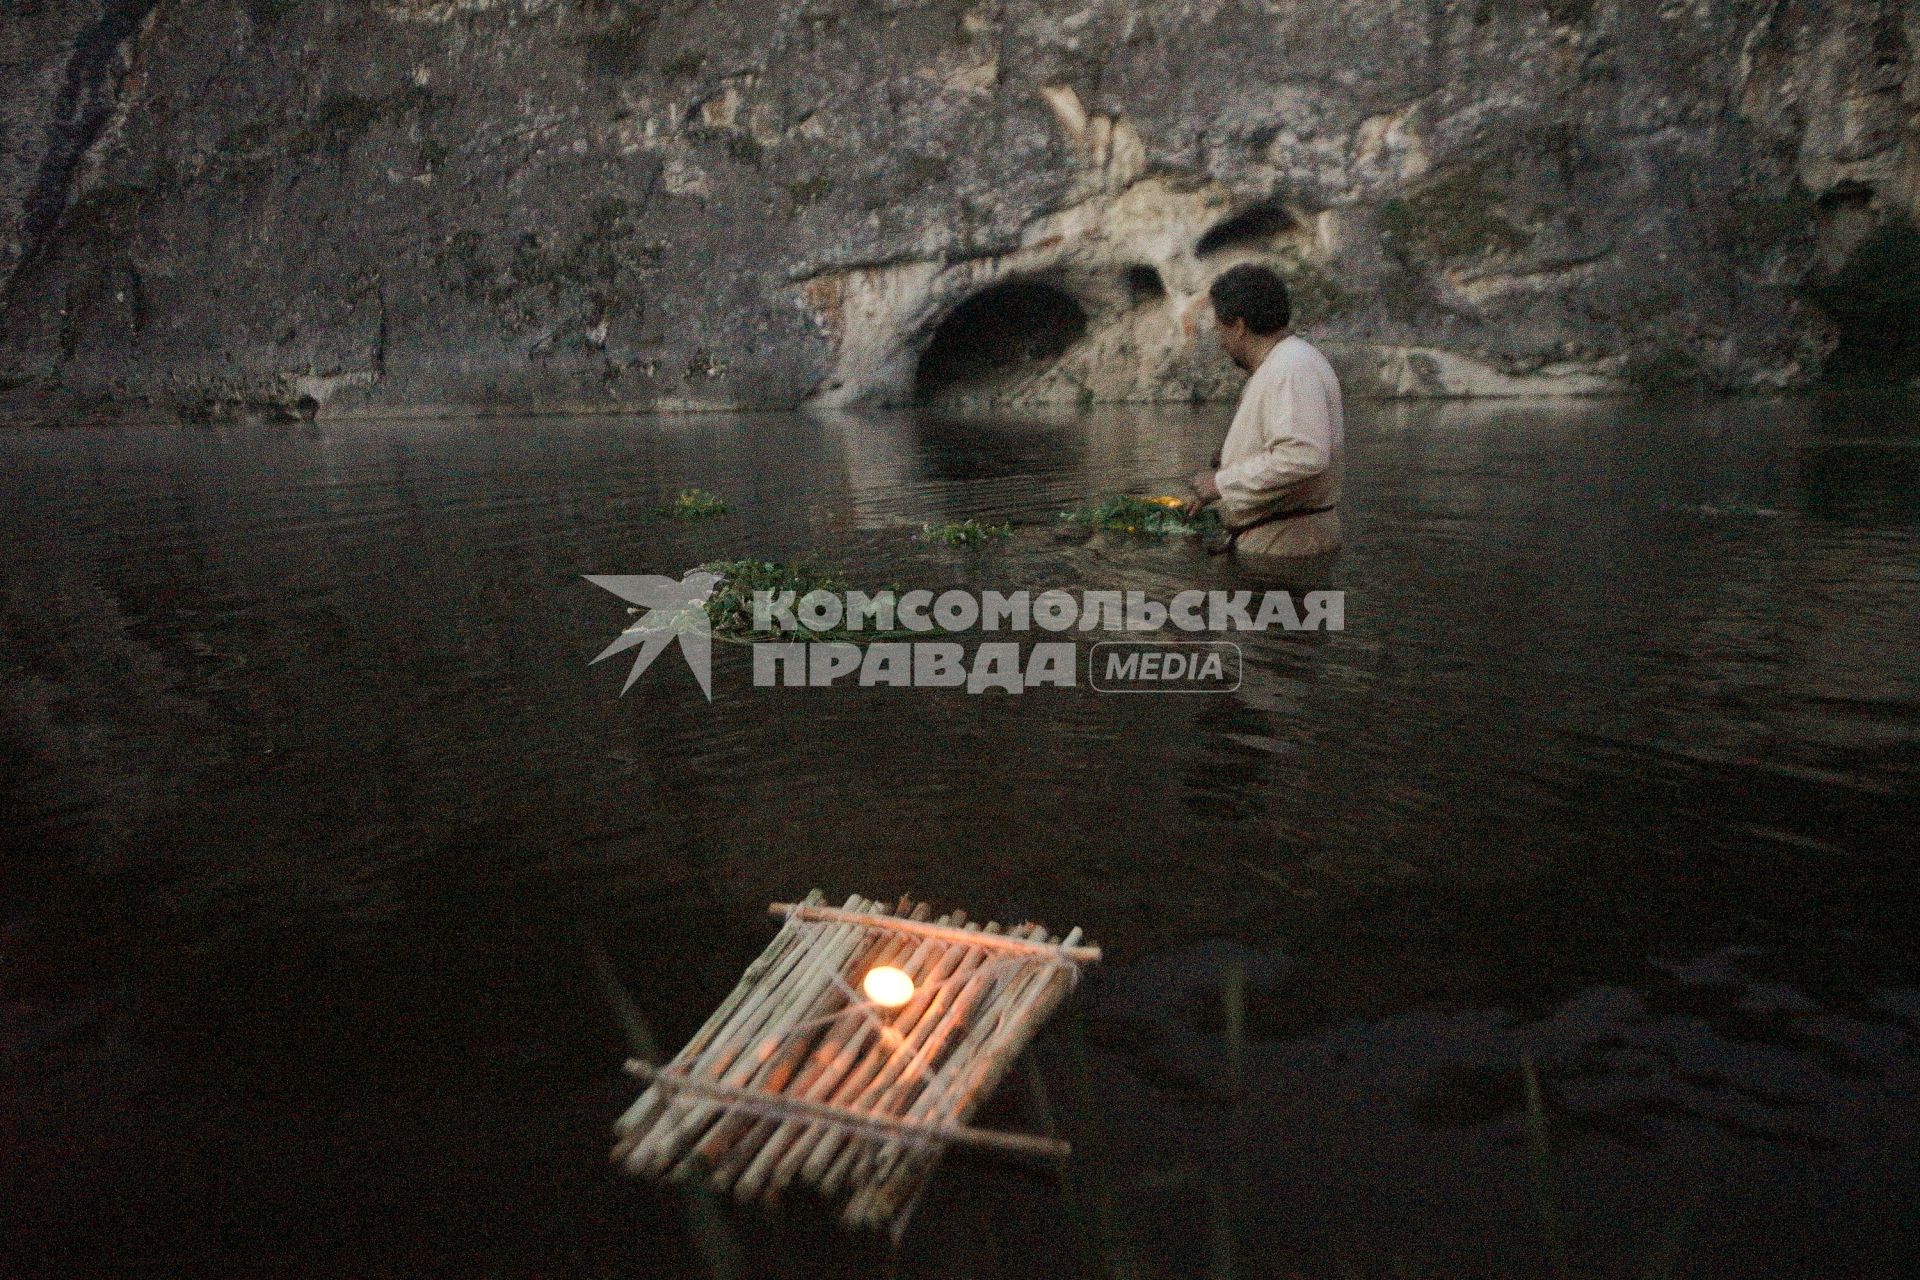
1205	493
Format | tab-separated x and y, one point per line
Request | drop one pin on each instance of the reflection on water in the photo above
314	804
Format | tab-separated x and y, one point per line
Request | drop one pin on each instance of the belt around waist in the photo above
1233	535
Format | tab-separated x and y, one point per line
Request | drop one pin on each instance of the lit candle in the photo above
887	986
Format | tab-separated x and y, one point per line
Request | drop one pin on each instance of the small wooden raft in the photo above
799	1078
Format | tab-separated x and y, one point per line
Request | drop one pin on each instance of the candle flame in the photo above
887	986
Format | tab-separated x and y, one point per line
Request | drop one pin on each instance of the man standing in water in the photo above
1277	481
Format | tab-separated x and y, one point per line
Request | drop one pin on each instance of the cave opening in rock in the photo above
1017	326
1144	284
1874	302
1254	228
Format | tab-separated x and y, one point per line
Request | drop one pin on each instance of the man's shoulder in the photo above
1294	355
1299	353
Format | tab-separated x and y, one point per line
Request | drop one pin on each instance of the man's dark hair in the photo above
1254	294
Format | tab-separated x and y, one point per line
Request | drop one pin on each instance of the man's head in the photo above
1250	311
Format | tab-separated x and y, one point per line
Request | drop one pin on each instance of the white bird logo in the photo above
669	610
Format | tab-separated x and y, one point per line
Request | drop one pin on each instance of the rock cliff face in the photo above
282	206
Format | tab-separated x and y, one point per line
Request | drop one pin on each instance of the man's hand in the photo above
1205	491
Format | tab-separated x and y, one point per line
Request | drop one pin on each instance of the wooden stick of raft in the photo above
833	1153
985	1060
835	1046
894	1197
797	1078
924	1091
1015	1143
822	1023
683	1121
902	1088
759	1054
933	964
1004	942
716	1046
765	1007
767	1172
968	1075
780	949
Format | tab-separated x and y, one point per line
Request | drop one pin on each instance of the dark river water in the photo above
316	813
